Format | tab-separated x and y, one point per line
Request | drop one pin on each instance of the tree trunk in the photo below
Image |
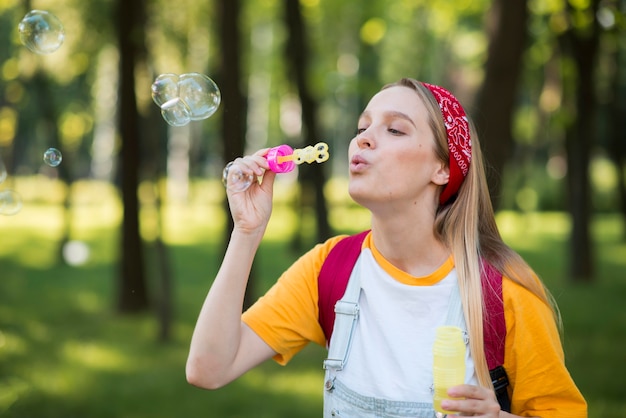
582	46
132	292
233	100
617	120
496	99
312	178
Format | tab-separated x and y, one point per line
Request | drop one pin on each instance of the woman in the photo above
415	164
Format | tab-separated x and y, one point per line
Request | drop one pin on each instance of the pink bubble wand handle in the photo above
277	161
281	159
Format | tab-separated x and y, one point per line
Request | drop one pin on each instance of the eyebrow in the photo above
393	114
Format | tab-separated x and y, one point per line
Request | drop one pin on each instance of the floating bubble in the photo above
52	157
3	172
235	180
176	112
165	88
10	202
200	93
41	32
191	96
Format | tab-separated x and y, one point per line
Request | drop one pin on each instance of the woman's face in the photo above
392	157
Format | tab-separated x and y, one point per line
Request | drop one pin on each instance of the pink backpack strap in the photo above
494	325
333	278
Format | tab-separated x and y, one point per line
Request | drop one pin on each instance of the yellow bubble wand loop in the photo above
317	153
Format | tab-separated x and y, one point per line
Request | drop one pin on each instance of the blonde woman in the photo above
416	165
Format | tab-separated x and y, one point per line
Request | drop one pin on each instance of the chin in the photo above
358	193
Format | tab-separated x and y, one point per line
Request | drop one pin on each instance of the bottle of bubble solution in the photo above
448	363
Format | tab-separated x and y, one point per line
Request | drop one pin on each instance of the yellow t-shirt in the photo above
286	318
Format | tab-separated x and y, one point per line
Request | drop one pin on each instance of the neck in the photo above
409	244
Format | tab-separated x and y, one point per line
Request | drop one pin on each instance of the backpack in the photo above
333	280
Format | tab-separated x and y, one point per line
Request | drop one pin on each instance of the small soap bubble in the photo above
10	202
200	93
164	89
176	112
235	180
41	32
52	157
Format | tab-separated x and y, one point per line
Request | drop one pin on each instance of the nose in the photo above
364	139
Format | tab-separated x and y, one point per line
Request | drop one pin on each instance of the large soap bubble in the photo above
176	112
200	93
41	32
164	89
191	96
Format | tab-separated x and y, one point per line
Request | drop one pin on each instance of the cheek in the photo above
412	165
352	148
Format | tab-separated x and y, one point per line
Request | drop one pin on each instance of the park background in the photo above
106	264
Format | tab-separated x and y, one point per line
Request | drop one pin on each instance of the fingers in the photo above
474	401
254	164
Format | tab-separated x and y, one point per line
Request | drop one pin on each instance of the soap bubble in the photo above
52	157
10	202
165	88
191	96
200	93
41	32
235	179
176	112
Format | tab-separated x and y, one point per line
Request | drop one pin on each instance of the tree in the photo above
617	110
233	99
496	100
580	42
132	293
312	177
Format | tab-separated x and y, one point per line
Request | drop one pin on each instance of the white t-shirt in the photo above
398	321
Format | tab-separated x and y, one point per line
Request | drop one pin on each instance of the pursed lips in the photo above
357	163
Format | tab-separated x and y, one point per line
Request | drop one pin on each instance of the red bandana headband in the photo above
459	141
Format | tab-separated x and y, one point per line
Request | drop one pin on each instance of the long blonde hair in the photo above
468	227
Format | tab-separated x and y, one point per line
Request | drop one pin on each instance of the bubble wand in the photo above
281	159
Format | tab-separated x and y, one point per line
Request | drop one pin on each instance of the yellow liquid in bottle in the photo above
448	363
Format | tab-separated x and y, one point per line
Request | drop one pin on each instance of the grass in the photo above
64	352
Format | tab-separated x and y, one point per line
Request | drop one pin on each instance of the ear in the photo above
442	175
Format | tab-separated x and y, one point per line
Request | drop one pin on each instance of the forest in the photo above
93	175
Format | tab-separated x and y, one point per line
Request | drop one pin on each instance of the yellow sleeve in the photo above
286	317
540	383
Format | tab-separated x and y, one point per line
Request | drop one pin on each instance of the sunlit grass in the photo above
65	352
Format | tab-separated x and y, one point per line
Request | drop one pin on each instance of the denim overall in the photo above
341	401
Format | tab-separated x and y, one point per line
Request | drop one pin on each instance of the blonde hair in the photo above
468	227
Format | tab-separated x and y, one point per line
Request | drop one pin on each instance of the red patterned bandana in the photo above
459	141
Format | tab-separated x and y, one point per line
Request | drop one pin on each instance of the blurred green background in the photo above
106	259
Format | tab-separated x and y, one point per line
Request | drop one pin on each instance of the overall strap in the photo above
347	315
334	276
